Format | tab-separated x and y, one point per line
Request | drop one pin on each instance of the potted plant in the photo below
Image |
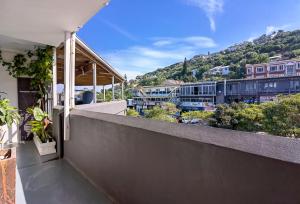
8	116
41	128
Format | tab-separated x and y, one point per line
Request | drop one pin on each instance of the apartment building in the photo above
197	96
149	96
273	69
256	90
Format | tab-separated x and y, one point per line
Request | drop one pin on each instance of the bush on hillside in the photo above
280	117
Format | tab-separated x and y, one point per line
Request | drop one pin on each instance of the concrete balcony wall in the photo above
112	107
139	161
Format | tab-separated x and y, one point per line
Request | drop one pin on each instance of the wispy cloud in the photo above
119	30
210	7
163	51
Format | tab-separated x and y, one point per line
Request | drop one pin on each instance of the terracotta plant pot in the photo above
8	176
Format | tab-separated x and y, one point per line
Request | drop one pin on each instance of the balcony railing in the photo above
136	160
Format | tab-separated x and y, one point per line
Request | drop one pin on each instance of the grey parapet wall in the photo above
112	107
138	161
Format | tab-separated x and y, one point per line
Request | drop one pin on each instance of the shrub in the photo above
132	112
202	115
238	116
170	108
158	113
282	117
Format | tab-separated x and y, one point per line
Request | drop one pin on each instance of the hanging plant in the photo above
36	64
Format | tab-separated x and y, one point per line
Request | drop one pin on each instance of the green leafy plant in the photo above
41	124
280	117
133	113
202	115
8	113
158	113
36	64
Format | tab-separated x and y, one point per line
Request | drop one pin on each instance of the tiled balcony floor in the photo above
56	181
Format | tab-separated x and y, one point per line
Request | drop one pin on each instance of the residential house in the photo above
273	69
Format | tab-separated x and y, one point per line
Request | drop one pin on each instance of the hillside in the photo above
284	43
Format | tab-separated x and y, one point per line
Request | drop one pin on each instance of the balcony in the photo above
142	161
47	179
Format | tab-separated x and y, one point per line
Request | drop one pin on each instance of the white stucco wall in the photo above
8	85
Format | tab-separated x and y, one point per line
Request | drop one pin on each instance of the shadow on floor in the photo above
43	180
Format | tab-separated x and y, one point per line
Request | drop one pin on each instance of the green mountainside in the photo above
284	43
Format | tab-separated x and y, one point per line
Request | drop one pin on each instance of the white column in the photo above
54	78
72	70
67	54
103	93
113	87
95	81
122	90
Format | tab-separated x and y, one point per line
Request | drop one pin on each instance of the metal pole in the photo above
67	54
103	93
122	90
113	87
54	78
95	82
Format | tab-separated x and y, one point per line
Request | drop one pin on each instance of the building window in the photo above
297	85
249	70
259	69
298	65
290	69
271	85
273	68
281	67
196	90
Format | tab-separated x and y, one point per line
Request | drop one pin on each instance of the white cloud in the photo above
137	60
270	29
161	43
119	30
210	7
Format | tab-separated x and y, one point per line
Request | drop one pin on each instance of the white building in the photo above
219	70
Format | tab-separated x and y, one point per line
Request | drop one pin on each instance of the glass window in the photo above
281	67
259	69
188	90
249	70
196	90
266	85
273	68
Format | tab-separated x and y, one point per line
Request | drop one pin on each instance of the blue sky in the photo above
139	36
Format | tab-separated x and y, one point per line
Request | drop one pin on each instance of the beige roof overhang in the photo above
84	58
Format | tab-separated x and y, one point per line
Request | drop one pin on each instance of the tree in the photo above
184	71
125	81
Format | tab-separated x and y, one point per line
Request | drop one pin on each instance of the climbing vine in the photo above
36	64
